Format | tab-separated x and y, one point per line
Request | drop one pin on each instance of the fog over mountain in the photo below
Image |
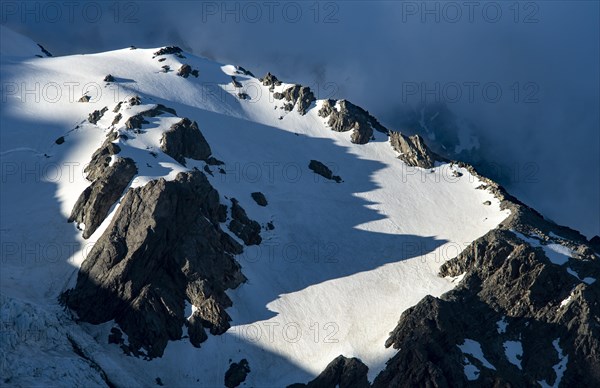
383	56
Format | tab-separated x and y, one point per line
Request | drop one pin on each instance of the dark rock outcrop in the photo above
259	198
242	226
136	121
46	52
236	374
271	81
413	150
297	95
241	70
350	117
235	82
184	140
323	170
168	50
84	98
186	70
109	78
108	183
342	372
60	140
163	246
511	291
96	115
117	118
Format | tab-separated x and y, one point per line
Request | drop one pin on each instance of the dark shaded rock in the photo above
162	59
487	203
413	150
46	52
108	184
236	374
117	118
298	95
506	279
241	70
115	336
243	96
259	198
212	161
167	50
235	82
135	100
109	78
85	98
196	330
242	226
323	170
185	70
96	115
117	107
136	122
595	243
271	81
342	372
184	140
164	236
159	381
270	225
166	68
60	140
350	117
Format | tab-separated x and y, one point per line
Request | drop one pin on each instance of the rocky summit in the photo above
186	224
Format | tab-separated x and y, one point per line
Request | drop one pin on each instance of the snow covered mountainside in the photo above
166	219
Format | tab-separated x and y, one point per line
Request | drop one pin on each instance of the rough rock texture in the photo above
85	98
242	226
136	121
184	140
96	115
413	150
185	70
551	308
259	198
241	70
109	78
108	183
342	372
297	95
168	50
236	374
271	81
235	82
350	117
323	170
163	246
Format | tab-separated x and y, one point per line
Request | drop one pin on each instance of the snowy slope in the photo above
342	263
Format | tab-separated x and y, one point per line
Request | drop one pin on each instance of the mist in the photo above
525	74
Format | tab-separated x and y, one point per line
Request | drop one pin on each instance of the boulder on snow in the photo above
259	198
184	140
236	374
323	170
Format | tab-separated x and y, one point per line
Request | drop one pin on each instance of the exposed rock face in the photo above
323	170
236	374
297	95
271	81
184	140
96	115
109	78
163	246
413	150
259	198
108	183
242	226
46	52
241	70
342	372
136	121
168	50
185	71
85	98
117	118
350	117
60	140
511	293
235	82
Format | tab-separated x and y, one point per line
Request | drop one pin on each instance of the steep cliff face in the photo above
163	247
